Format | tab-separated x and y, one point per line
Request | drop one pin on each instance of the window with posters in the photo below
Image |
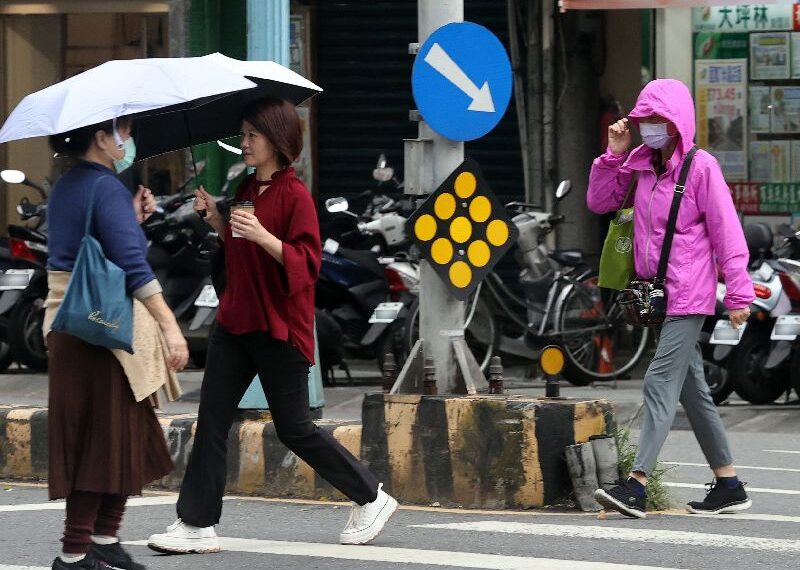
747	91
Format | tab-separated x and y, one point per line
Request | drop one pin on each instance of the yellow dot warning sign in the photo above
462	229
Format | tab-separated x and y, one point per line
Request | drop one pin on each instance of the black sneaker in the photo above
622	498
88	563
115	557
719	500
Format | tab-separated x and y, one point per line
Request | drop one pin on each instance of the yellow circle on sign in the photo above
480	209
497	232
465	184
461	229
460	274
425	228
552	360
445	206
442	251
478	253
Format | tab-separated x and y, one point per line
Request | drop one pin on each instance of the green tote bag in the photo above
616	260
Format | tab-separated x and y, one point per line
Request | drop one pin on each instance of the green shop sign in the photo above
743	18
715	45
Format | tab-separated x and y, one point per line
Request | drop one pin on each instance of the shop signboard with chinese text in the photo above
744	18
721	99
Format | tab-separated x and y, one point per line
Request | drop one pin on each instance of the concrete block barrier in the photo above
477	451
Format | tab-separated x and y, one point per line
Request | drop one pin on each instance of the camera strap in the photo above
680	188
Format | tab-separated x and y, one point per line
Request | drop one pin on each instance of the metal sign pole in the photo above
440	312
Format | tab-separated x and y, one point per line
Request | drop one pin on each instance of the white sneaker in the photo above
182	538
366	521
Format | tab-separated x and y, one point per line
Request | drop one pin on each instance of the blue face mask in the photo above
124	163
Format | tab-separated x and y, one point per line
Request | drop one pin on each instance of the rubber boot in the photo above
606	458
583	472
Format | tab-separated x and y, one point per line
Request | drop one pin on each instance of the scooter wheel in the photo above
25	334
746	371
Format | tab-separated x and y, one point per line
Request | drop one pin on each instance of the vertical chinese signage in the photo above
721	99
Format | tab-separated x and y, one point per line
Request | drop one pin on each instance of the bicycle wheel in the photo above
604	346
480	329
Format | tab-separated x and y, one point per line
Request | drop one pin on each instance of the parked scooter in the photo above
755	372
364	293
22	301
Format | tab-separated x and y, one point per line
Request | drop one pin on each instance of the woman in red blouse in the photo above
265	326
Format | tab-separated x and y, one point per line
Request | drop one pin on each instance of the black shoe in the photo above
622	498
88	563
719	500
115	557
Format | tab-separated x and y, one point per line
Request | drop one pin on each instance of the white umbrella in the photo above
118	88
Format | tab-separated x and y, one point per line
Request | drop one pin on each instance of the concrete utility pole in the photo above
440	312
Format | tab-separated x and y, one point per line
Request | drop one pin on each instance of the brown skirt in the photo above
100	439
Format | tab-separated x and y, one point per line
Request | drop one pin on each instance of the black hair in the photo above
76	143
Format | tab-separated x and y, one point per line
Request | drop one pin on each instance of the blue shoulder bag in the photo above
96	307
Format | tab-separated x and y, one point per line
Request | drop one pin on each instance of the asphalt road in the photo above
263	533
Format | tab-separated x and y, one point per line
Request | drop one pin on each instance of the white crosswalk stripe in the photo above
414	556
59	505
626	534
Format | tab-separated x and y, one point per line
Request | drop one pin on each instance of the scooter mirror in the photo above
235	170
563	189
335	205
13	176
383	174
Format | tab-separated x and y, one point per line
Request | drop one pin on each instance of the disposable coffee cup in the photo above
244	207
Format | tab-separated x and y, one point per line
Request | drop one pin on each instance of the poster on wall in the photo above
771	161
713	45
760	105
796	55
769	56
785	110
721	98
795	161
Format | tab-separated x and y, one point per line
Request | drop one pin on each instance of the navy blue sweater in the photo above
114	223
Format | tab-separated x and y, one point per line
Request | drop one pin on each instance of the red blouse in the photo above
261	294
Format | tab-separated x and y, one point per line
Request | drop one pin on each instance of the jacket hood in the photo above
670	99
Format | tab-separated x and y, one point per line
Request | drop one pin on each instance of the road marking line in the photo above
59	505
685	464
7	567
749	489
782	451
629	534
738	517
412	556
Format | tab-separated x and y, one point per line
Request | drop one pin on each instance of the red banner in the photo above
632	4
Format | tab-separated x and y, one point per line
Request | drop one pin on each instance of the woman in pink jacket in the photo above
708	234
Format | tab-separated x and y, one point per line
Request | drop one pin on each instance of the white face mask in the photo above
655	135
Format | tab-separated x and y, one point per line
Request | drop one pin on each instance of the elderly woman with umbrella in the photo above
105	442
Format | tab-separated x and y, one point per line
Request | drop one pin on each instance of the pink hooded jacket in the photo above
708	231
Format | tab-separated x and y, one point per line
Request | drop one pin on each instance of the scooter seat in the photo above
568	257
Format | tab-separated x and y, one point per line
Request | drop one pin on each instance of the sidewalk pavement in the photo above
343	402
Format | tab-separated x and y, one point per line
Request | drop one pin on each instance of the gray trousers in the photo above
676	374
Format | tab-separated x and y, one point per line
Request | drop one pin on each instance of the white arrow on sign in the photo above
438	59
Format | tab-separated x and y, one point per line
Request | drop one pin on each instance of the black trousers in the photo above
233	361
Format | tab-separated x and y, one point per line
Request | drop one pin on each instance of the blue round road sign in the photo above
462	81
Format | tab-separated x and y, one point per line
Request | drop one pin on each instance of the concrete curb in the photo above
477	452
